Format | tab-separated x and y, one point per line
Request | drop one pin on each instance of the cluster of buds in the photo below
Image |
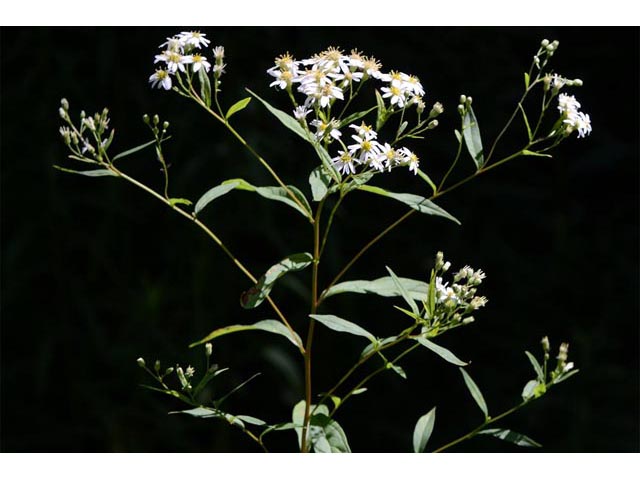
546	50
453	303
181	53
87	138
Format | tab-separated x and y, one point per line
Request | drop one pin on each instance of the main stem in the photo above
304	447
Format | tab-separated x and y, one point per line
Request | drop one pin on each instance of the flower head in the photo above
161	79
195	38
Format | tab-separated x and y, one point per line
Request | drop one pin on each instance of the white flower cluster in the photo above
324	77
367	151
180	54
454	302
573	118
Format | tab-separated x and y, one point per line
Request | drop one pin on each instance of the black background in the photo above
96	273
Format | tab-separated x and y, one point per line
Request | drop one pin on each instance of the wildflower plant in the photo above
352	148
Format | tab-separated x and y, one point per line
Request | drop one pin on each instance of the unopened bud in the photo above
545	344
461	109
141	362
544	43
165	125
577	82
436	110
432	124
446	266
64	103
156	366
439	260
82	114
63	113
145	118
468	320
463	99
469	100
547	82
156	119
168	371
208	348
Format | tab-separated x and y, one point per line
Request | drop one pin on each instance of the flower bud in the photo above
446	266
156	119
63	113
468	320
181	377
544	43
168	371
436	110
208	348
165	125
82	114
546	82
64	103
439	260
141	362
156	366
432	124
577	82
145	118
545	344
469	100
461	109
463	99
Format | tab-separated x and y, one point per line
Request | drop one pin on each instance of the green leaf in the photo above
287	120
397	369
206	378
403	292
256	294
358	391
325	158
402	128
475	393
236	107
536	154
319	180
326	435
526	80
133	150
212	194
441	351
373	347
201	412
422	431
471	135
530	389
353	117
458	136
278	194
172	393
180	201
526	121
272	326
510	436
251	420
426	178
340	325
382	111
385	287
416	202
536	366
101	172
205	86
564	376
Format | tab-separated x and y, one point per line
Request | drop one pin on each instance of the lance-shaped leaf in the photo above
287	120
422	431
385	287
212	194
133	150
471	135
236	107
475	393
404	293
536	366
416	202
101	172
441	351
272	326
319	180
510	436
205	86
256	294
278	194
341	325
353	117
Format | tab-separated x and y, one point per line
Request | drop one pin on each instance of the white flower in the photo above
326	94
581	122
365	131
445	292
568	104
411	159
390	156
567	367
173	44
161	78
219	69
397	94
412	83
189	372
557	82
322	128
369	151
301	112
344	163
218	53
194	38
283	80
174	60
198	61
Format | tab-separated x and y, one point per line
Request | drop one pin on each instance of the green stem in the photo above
304	447
329	223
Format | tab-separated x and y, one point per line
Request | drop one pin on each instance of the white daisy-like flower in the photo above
173	44
410	159
218	53
174	60
324	128
283	80
389	156
161	78
557	82
412	83
344	163
198	61
196	39
324	95
444	292
345	76
301	112
365	131
396	93
189	371
369	151
580	121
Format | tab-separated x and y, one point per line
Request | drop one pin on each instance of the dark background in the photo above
96	273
